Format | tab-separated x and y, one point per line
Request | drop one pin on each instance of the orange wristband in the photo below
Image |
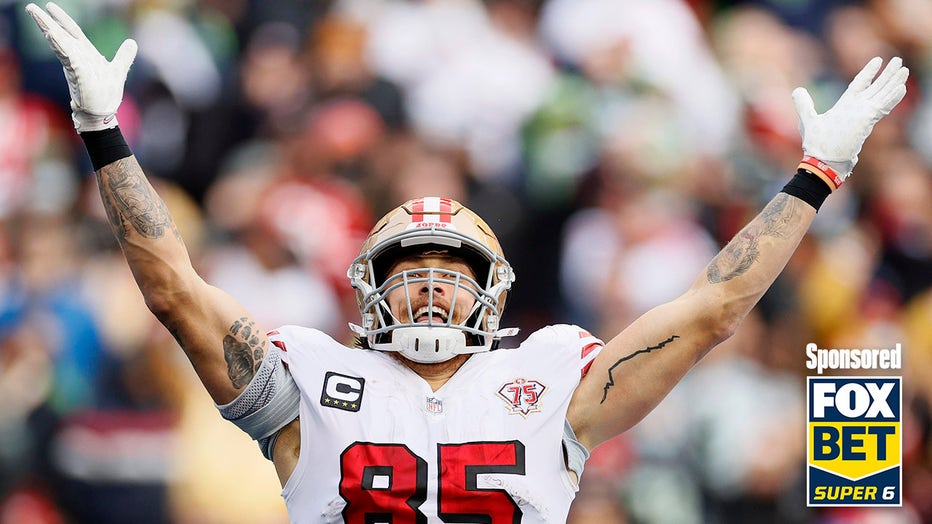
820	168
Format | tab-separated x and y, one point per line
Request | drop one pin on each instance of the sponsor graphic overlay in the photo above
854	430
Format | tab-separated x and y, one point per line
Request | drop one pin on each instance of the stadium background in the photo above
614	145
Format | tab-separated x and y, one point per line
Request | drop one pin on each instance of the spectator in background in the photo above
647	238
748	438
77	450
44	290
310	191
255	264
34	147
468	84
264	92
606	40
336	52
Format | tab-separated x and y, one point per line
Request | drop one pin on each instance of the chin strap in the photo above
431	344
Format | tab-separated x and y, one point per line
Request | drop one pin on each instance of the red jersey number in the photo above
389	482
460	467
385	481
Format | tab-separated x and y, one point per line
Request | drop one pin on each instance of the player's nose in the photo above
435	284
438	288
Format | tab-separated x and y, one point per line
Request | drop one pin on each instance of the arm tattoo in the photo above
742	252
243	352
113	214
128	197
648	349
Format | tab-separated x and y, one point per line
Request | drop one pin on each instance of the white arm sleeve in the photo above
576	453
269	402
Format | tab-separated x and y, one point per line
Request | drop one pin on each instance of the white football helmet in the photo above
424	225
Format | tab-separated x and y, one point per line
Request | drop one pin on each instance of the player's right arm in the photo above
223	343
219	337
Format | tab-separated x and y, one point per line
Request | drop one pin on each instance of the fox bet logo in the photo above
854	441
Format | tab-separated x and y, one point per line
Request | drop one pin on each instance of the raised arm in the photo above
638	367
221	340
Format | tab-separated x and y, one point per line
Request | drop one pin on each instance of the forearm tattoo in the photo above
743	250
242	350
128	198
648	349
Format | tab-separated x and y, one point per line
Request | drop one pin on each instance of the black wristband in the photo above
808	187
105	146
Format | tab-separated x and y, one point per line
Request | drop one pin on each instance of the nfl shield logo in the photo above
434	405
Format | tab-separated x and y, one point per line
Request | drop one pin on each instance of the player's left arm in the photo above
638	367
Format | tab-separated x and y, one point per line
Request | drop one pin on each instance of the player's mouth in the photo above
431	314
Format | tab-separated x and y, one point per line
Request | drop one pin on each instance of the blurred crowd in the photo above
614	146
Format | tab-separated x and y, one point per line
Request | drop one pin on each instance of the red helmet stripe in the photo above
446	207
417	210
432	209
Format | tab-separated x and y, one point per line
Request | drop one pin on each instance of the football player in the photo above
429	421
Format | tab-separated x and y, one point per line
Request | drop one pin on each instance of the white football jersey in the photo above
378	445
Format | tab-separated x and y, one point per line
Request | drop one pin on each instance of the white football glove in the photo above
96	85
835	137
